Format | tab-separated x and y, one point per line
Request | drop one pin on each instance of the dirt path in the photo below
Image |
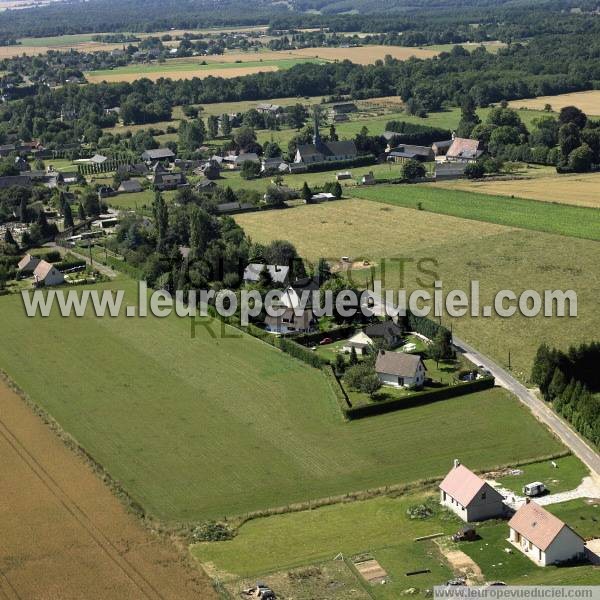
64	535
463	566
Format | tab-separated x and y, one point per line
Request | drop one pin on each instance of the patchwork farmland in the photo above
464	249
578	190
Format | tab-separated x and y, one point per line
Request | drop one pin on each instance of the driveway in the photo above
588	488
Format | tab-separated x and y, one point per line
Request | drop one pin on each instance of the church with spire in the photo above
321	151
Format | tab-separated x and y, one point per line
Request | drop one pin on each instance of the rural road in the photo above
538	407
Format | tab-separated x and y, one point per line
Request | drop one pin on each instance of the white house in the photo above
361	343
291	322
469	496
28	263
400	370
543	537
46	274
299	293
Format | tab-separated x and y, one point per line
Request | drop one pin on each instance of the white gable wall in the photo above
488	504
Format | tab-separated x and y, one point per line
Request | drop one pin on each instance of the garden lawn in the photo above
305	537
505	210
567	476
203	427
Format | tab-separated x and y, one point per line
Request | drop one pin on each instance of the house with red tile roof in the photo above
469	496
464	150
543	537
46	274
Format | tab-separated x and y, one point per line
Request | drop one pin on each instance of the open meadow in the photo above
499	257
163	413
563	219
55	510
588	102
582	189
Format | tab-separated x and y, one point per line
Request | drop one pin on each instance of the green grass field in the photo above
188	64
206	427
505	210
58	40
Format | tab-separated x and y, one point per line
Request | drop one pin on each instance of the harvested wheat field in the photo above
579	190
19	50
588	102
64	535
365	55
361	229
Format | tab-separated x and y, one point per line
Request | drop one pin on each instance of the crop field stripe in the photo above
130	571
562	219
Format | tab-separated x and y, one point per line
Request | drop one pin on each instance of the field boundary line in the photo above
103	542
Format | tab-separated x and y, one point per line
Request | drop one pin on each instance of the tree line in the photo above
571	381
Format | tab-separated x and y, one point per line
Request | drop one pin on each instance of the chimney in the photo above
456	463
527	500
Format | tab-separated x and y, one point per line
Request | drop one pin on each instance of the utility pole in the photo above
509	367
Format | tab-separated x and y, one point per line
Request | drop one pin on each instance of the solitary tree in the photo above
306	193
213	126
67	216
225	125
412	170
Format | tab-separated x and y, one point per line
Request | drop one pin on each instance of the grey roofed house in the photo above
129	186
98	159
233	207
397	363
279	273
246	157
206	185
449	170
406	151
169	181
138	169
28	263
265	107
344	107
388	331
440	148
275	164
323	151
158	154
290	322
15	180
